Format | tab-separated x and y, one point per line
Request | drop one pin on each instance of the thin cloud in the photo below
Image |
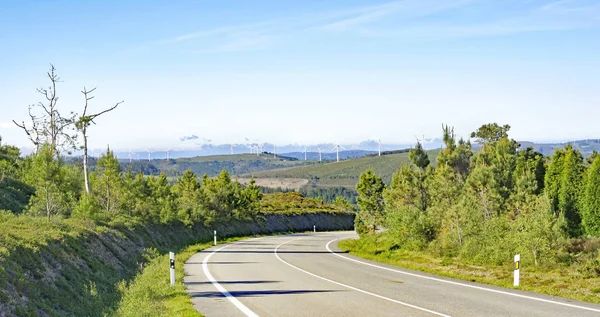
402	20
188	138
556	16
410	8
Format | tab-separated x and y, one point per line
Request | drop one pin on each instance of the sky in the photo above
307	71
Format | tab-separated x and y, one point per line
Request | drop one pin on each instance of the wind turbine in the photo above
379	146
149	154
231	148
274	151
130	156
319	155
305	153
337	148
168	150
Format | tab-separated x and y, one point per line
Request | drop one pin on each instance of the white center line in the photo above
354	288
456	283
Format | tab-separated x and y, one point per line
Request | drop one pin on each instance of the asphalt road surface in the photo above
308	275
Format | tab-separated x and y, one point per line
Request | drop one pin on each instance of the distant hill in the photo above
329	156
344	173
236	164
584	146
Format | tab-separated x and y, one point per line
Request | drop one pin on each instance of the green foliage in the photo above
330	194
418	156
107	182
491	132
370	199
570	184
87	207
9	159
456	156
187	191
54	193
591	200
342	204
15	195
293	203
487	209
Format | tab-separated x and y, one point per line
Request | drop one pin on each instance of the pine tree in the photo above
163	198
187	191
45	173
591	200
552	178
249	201
370	200
108	182
418	156
456	156
569	190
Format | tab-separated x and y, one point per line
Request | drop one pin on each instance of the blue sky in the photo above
306	71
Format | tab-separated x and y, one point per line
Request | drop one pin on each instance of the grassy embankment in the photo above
150	293
569	281
75	267
344	173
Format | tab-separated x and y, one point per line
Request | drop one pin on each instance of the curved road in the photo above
308	275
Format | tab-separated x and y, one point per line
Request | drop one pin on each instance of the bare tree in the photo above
49	126
82	124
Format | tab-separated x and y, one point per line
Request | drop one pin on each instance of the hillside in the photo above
237	164
329	155
343	173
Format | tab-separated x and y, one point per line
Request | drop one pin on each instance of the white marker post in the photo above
172	267
517	268
215	237
314	228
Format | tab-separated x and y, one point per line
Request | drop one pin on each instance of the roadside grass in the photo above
563	281
150	293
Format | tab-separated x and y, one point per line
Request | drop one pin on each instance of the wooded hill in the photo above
344	173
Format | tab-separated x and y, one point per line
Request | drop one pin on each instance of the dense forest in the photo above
327	194
488	205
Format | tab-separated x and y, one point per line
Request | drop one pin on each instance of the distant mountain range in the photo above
296	151
291	150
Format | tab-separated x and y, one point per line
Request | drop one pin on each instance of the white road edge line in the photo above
231	298
457	283
354	288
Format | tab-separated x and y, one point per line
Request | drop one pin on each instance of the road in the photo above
308	275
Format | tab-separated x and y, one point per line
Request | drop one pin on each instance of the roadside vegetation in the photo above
150	294
468	216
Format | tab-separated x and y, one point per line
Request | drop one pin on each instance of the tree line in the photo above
43	184
485	205
58	189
